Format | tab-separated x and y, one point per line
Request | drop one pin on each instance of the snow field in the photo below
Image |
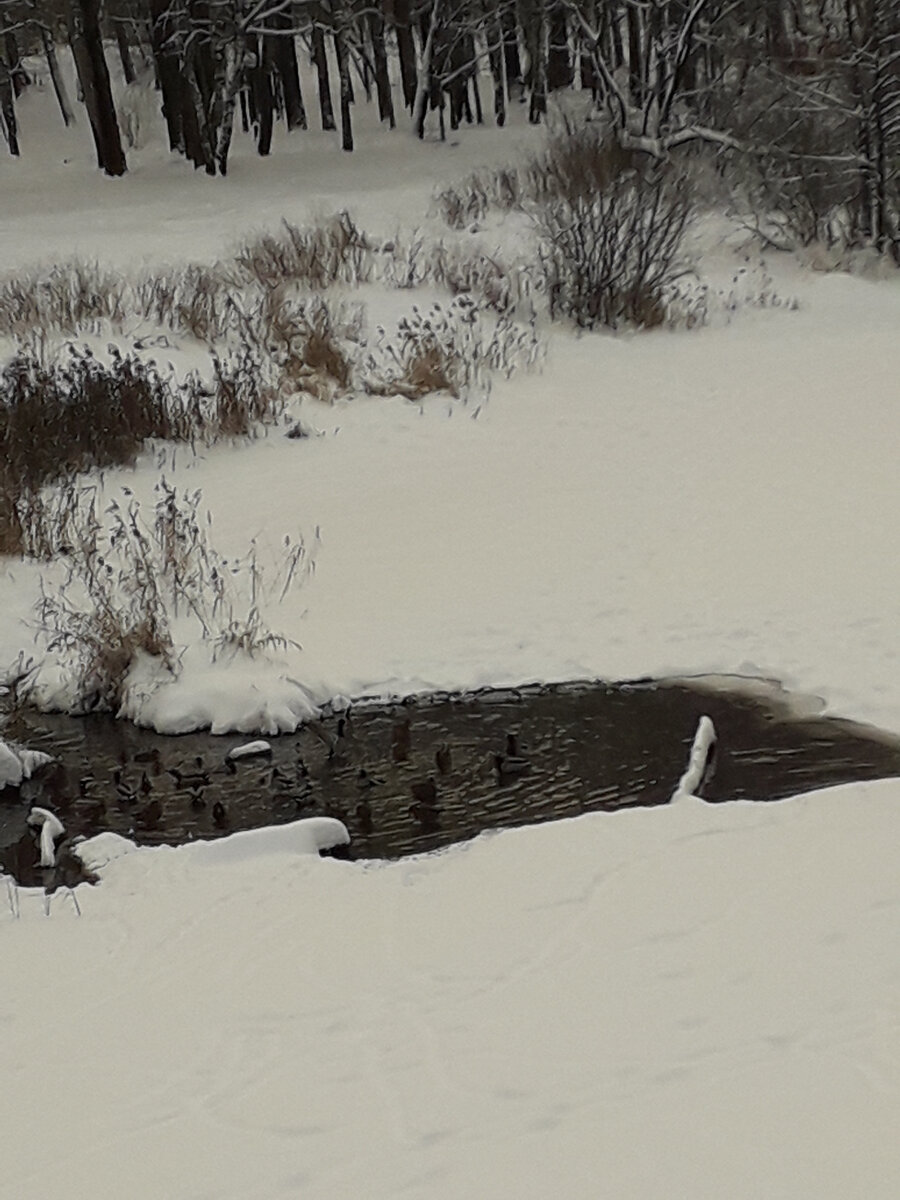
694	1001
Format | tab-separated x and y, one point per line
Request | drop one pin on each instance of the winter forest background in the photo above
795	102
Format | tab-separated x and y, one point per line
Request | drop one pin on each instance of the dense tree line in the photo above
805	92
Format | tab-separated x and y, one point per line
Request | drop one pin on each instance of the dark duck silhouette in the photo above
424	791
364	817
426	815
443	759
124	790
400	741
365	781
199	777
513	763
150	815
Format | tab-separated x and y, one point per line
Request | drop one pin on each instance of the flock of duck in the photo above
140	795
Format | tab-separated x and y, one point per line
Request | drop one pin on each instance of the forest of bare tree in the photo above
799	99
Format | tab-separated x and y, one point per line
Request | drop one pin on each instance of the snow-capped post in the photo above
51	828
700	761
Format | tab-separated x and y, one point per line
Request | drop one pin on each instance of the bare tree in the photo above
93	75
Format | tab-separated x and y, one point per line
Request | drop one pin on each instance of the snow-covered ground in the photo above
690	1002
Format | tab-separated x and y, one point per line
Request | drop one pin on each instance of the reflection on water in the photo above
412	777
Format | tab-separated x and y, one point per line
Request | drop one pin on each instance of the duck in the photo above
220	815
148	756
425	792
400	741
191	779
364	780
149	816
510	766
323	735
124	790
197	799
364	817
427	815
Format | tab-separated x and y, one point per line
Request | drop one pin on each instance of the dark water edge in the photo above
417	775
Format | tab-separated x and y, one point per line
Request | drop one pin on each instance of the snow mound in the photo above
307	836
102	849
18	763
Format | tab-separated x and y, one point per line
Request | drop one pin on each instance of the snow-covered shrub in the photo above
692	303
610	231
109	609
469	201
41	524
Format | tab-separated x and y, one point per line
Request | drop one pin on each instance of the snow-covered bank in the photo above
713	501
693	1001
665	503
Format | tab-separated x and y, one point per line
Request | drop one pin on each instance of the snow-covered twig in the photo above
51	828
700	761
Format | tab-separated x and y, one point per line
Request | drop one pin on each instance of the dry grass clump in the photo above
450	348
68	298
241	399
61	419
195	299
127	579
78	413
462	270
310	342
319	256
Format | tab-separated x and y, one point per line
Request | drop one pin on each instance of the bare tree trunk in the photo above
559	60
283	55
512	63
346	87
8	109
424	81
498	72
397	11
536	35
124	52
320	62
59	87
227	86
168	72
380	61
263	96
87	47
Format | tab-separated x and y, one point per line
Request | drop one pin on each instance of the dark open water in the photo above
582	747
